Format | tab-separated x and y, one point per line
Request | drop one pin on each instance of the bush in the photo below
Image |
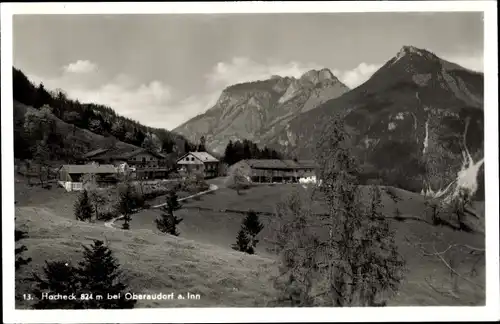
194	184
107	215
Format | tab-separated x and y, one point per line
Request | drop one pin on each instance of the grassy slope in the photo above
201	260
166	264
219	228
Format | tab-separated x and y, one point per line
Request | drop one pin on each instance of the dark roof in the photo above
94	153
280	164
266	164
119	153
89	168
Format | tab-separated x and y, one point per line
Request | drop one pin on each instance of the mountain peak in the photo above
316	76
412	51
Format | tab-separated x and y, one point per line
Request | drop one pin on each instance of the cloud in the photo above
243	69
358	75
473	62
147	102
80	66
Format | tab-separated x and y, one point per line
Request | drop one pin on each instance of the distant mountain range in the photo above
417	123
260	110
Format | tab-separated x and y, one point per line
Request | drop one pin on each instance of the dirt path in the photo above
212	187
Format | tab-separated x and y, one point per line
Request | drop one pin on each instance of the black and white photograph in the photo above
274	161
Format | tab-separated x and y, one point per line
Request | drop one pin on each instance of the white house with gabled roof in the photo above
198	162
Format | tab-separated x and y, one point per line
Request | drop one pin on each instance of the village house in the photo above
198	162
141	163
71	175
274	170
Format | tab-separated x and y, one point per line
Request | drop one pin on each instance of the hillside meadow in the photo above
201	260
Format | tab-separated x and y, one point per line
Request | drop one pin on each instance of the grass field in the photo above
202	261
153	263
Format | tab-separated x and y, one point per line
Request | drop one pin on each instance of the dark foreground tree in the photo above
296	243
83	207
60	278
351	260
100	275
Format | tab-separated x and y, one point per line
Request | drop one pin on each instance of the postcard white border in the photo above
225	315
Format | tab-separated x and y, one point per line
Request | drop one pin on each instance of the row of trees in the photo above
246	149
98	119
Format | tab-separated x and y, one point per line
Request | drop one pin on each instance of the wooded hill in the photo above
98	119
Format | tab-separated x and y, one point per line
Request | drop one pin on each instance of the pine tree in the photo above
245	239
60	278
127	204
201	146
229	153
355	263
172	201
242	242
167	223
99	273
358	262
380	266
252	226
83	207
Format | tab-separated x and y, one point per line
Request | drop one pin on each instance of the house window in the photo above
143	159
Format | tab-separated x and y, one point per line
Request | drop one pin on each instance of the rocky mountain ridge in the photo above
259	110
418	120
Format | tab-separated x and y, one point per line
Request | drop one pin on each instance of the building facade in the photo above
276	171
198	162
140	163
71	176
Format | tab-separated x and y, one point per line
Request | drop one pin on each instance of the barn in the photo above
70	175
275	170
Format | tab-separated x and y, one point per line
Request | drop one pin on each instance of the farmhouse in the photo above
274	170
70	175
201	162
144	164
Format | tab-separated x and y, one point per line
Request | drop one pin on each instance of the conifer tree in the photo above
173	201
246	238
252	226
358	262
60	278
83	207
99	273
126	205
381	267
167	223
242	242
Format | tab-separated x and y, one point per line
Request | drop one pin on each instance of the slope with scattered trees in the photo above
98	119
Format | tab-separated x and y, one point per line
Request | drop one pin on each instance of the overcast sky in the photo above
164	69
